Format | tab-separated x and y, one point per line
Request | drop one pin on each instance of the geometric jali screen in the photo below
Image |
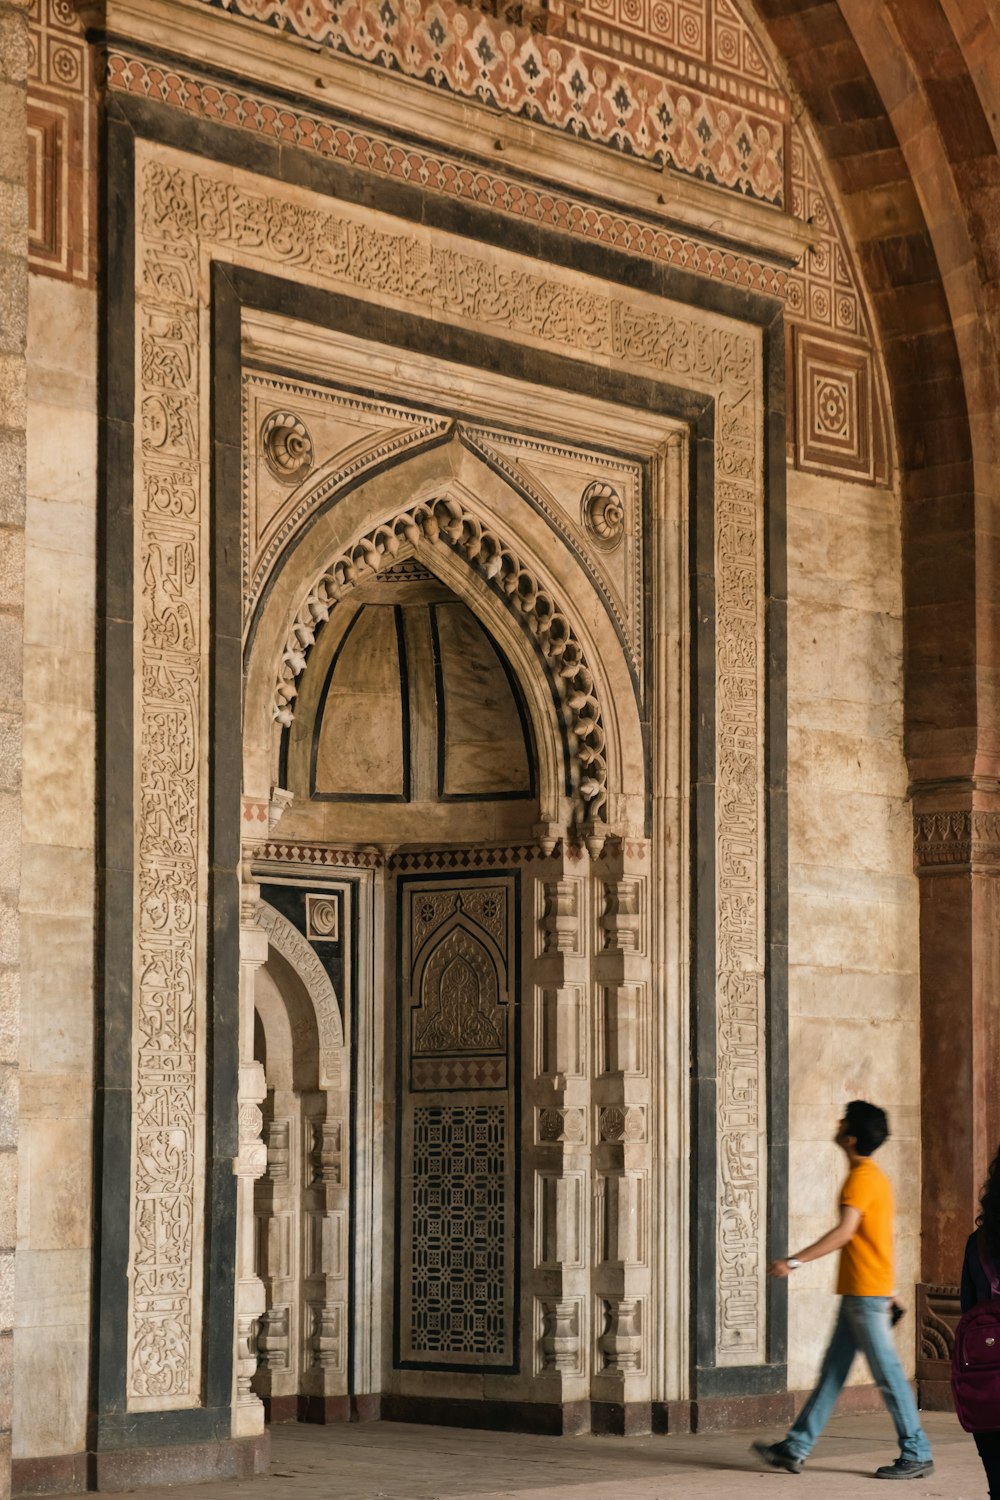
456	1303
457	1247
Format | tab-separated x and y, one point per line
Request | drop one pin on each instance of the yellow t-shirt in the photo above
866	1260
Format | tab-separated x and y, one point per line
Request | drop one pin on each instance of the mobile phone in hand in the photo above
896	1312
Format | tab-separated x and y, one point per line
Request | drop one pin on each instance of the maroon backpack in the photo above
975	1360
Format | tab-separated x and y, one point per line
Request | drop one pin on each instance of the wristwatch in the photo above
793	1264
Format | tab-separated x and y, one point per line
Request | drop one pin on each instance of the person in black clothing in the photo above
976	1288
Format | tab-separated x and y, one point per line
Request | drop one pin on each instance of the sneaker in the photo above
779	1456
906	1468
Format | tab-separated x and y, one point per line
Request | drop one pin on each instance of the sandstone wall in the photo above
853	982
13	282
57	896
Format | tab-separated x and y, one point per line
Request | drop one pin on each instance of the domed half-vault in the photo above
418	703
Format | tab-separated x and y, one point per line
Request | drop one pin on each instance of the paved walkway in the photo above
393	1461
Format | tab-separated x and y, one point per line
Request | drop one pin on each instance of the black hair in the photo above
868	1125
989	1206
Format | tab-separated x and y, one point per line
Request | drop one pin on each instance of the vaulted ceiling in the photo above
905	95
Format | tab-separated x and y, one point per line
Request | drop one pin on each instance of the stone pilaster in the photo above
13	420
621	1275
558	1154
276	1208
957	858
248	1410
325	1219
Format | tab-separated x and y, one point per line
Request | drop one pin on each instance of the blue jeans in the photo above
862	1323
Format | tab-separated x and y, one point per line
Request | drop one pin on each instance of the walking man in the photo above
866	1284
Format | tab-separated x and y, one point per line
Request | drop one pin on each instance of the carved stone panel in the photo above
459	1010
675	97
343	434
170	855
740	907
456	1125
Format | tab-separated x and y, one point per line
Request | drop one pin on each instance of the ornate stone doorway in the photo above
468	659
587	465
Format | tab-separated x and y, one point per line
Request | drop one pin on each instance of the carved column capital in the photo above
952	841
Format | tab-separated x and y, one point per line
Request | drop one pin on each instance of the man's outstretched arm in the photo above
834	1239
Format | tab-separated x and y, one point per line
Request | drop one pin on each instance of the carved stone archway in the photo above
450	522
289	942
301	1202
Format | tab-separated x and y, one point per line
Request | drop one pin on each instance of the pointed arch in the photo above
298	954
448	508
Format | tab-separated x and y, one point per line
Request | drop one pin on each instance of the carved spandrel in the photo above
358	432
601	518
429	910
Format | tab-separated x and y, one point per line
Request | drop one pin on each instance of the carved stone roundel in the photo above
603	512
287	446
322	917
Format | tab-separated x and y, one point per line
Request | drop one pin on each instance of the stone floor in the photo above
390	1461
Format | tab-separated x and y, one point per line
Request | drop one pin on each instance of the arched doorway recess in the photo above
300	1203
454	709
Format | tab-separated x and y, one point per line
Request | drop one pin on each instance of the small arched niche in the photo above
412	725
